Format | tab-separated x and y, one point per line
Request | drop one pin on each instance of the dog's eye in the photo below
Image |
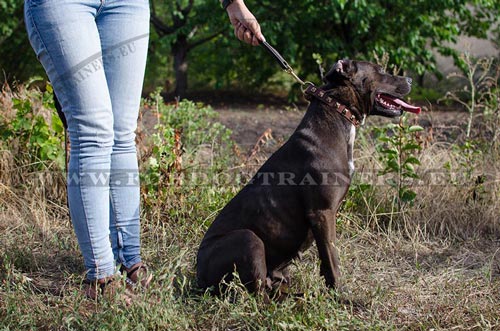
364	81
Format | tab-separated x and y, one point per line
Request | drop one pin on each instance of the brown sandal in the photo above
137	276
109	288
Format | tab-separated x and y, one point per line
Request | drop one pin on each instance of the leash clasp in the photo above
290	71
305	86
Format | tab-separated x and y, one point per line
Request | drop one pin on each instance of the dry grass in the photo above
393	281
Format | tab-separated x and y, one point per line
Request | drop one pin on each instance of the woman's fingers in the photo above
254	27
247	35
246	26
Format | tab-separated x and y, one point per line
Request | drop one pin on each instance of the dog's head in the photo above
370	90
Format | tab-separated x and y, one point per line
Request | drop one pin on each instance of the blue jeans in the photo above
94	53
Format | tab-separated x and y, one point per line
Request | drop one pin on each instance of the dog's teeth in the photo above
386	103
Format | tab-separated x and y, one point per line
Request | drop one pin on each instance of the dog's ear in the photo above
340	66
340	71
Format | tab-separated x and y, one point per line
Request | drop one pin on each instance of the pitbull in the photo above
294	197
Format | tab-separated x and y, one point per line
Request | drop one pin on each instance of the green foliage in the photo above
17	59
334	29
398	150
8	7
361	198
425	94
183	137
36	131
386	192
357	29
179	28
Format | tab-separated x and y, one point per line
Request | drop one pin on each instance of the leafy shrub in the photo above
31	129
187	151
397	150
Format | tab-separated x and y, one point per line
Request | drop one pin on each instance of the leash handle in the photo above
277	56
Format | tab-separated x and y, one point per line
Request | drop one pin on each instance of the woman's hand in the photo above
246	27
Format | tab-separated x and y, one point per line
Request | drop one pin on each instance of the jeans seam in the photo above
85	217
114	217
38	35
100	7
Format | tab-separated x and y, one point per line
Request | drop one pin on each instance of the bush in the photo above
187	152
30	128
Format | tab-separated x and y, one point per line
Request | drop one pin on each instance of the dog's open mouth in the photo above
392	103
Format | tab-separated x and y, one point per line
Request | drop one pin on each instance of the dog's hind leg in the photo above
240	250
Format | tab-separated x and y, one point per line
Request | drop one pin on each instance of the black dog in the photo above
294	197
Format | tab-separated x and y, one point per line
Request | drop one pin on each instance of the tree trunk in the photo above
180	50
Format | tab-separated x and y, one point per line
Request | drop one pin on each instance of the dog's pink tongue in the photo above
407	107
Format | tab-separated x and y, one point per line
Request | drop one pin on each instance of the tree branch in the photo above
160	27
204	40
164	29
188	8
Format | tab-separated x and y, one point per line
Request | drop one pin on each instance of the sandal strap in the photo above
132	271
133	278
136	269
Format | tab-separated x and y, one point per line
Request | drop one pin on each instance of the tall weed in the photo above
477	92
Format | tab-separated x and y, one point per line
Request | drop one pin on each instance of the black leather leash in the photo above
281	61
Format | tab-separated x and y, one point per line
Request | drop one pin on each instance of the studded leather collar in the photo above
322	96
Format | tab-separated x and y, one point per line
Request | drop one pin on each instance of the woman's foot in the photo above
109	288
138	276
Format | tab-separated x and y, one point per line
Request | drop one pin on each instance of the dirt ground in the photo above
249	123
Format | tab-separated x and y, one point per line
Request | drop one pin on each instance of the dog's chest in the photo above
350	149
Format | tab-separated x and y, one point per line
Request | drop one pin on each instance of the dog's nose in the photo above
409	80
